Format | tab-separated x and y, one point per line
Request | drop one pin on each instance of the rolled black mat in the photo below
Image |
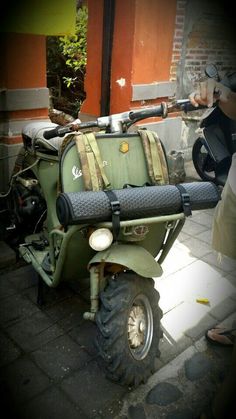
138	202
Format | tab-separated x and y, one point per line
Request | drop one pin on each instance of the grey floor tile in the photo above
232	278
84	336
187	318
192	229
60	357
224	309
8	350
34	331
15	308
222	262
53	403
178	257
6	288
197	247
23	278
203	218
22	380
205	236
66	307
94	383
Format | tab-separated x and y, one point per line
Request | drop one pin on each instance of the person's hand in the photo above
209	91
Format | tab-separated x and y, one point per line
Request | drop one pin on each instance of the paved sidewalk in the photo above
49	367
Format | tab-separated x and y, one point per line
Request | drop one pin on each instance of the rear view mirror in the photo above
212	72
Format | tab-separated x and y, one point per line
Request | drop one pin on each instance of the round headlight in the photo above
100	239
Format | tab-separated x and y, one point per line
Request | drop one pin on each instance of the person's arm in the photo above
210	91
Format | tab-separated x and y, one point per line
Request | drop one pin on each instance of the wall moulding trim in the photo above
14	127
16	139
153	90
22	99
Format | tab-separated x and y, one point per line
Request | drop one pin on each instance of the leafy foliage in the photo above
66	66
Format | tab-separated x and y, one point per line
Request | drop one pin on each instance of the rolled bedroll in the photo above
135	202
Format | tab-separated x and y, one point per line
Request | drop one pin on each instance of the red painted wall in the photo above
153	40
24	61
142	50
122	56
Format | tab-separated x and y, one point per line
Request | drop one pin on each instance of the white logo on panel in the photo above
76	172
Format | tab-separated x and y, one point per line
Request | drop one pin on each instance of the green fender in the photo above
134	257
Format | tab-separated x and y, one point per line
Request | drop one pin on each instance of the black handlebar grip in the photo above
59	131
51	133
188	107
146	113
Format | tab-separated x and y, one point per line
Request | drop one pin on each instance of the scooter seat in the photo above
33	137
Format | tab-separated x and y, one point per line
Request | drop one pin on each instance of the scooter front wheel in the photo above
203	162
129	328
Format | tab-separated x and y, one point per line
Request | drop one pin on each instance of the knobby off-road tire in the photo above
129	328
203	162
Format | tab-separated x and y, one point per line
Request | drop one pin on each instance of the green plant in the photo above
66	66
74	47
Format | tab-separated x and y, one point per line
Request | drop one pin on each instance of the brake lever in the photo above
183	105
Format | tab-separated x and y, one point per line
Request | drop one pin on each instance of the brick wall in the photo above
178	38
204	33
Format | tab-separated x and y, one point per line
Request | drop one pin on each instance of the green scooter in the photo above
96	201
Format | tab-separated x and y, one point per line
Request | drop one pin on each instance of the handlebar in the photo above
60	131
117	122
160	110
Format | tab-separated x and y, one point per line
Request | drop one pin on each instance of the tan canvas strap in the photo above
93	144
84	162
162	157
91	163
156	162
146	148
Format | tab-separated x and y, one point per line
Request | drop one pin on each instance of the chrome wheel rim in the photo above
140	327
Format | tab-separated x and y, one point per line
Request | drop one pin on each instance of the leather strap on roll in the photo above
185	198
115	208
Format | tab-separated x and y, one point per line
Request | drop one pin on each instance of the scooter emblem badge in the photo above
124	147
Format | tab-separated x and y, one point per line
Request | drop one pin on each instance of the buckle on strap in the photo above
185	198
115	209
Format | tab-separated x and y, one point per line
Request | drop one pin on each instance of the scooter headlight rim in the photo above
100	239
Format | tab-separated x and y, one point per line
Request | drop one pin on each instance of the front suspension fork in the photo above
95	273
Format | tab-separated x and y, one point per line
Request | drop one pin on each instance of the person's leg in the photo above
224	403
224	241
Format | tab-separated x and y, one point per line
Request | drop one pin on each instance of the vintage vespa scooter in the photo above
98	204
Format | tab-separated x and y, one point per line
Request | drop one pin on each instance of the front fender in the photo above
134	257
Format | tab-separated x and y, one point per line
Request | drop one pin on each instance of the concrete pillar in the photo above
24	96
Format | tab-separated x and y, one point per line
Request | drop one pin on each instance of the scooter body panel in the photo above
47	173
70	252
121	167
